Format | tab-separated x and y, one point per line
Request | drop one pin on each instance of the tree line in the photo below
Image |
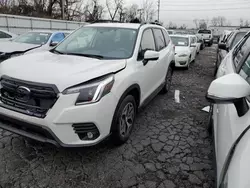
80	10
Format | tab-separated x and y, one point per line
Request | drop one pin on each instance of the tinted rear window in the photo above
204	31
237	38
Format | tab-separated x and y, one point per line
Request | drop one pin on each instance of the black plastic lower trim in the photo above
16	126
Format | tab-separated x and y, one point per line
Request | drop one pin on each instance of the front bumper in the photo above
57	127
181	61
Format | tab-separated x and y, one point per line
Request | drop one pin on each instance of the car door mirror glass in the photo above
223	46
228	89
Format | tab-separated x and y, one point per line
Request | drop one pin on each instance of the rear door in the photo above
163	47
228	125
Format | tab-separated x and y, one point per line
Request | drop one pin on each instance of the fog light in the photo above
90	135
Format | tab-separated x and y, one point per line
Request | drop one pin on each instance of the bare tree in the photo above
93	11
241	22
113	6
131	12
202	24
221	20
171	25
214	21
247	23
148	10
196	22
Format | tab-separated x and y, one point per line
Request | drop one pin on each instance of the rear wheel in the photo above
123	120
168	80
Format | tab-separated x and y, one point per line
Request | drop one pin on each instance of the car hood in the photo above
62	70
181	49
14	47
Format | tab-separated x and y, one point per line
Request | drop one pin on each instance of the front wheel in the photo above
168	81
123	120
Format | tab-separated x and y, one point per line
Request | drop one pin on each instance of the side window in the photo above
241	52
160	41
166	36
58	37
147	43
4	35
245	70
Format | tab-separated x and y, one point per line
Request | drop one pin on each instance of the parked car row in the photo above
229	120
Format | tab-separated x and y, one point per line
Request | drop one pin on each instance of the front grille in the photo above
86	131
34	99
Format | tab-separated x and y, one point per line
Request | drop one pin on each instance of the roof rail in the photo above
156	23
106	21
243	27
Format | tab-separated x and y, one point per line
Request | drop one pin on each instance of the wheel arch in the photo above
133	90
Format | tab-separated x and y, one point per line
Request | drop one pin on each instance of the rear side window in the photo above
245	70
159	39
204	31
241	52
237	38
166	36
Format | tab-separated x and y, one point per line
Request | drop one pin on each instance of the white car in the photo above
185	49
230	117
31	42
6	36
77	94
207	36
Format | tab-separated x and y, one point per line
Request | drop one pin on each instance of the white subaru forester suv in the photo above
88	87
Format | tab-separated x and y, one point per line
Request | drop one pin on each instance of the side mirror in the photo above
231	88
150	55
223	46
54	43
193	45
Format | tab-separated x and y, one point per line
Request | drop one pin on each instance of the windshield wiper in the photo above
87	55
54	50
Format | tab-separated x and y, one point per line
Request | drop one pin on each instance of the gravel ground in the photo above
169	148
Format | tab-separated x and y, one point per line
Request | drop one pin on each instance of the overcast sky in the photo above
185	11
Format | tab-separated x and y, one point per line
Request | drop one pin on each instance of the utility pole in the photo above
140	10
159	11
62	6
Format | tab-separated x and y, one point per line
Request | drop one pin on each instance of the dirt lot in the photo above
169	147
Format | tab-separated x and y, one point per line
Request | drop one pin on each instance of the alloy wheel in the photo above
126	119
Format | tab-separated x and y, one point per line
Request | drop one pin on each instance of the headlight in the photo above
183	55
15	55
93	91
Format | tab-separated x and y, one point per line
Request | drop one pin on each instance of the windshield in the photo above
103	42
180	41
237	38
204	31
33	38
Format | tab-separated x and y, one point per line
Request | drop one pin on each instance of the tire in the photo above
168	81
122	125
187	67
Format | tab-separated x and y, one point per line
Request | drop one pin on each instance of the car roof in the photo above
116	25
183	36
49	31
124	25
